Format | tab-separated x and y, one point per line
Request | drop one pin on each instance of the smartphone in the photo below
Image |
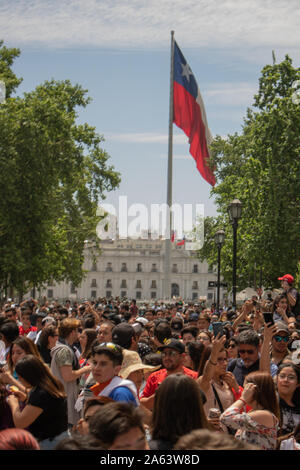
268	317
218	328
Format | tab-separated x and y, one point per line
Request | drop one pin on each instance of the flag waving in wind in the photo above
189	114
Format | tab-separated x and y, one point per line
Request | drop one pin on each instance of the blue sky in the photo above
120	51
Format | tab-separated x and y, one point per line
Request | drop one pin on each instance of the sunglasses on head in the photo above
279	338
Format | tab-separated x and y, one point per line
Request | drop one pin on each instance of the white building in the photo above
134	268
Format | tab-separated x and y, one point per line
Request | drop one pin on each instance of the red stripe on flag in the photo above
187	116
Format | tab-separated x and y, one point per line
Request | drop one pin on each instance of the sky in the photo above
120	52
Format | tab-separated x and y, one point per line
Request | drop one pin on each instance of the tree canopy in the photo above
53	176
261	167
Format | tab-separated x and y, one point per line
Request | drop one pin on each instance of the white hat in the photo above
132	362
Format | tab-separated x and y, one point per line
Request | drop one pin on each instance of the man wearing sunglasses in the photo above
280	342
173	354
249	356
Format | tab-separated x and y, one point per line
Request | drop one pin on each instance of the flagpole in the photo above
168	246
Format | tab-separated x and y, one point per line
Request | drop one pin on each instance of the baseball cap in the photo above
121	333
287	277
282	327
173	343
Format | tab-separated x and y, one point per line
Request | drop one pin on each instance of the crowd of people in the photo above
113	375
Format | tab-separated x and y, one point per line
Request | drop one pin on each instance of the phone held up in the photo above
268	317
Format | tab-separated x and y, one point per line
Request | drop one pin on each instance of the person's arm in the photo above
265	356
7	378
23	419
148	402
209	368
291	298
70	375
246	308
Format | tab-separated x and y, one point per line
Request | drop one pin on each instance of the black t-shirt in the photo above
290	416
54	418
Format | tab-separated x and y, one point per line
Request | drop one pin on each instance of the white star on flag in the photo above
186	71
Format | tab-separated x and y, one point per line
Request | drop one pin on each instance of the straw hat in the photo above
132	362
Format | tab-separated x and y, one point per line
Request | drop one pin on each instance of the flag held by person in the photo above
189	114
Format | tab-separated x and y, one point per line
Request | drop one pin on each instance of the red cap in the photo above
287	277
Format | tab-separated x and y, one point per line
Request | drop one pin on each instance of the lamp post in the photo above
234	211
219	241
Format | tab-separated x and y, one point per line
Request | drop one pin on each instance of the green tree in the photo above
54	175
261	167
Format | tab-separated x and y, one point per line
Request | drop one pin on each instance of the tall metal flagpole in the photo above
168	243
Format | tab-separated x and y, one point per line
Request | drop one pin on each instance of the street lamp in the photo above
234	211
219	241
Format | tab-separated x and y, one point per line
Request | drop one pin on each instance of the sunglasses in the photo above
247	351
169	353
281	338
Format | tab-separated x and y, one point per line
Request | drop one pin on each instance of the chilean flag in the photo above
189	114
181	242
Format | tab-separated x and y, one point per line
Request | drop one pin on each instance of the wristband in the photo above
213	363
241	399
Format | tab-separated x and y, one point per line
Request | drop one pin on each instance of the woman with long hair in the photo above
281	309
288	388
194	353
86	338
218	384
260	425
45	411
47	340
178	409
20	347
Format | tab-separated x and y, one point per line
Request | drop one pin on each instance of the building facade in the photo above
134	268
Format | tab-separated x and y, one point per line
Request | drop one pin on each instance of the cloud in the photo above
231	94
147	23
144	137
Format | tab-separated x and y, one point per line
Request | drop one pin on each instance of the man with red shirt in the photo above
173	353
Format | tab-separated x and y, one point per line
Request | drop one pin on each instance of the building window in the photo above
108	294
139	268
72	289
93	294
94	283
174	268
109	267
123	283
124	267
153	285
94	267
210	296
50	294
153	295
154	268
195	295
138	284
195	268
108	283
195	285
138	295
210	269
123	293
